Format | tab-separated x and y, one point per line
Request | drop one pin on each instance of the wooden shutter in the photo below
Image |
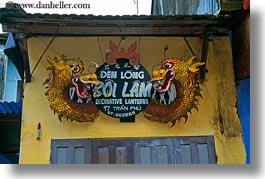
112	151
154	151
163	150
73	151
195	150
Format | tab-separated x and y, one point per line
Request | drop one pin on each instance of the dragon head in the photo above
176	86
66	70
69	90
84	84
61	64
176	68
76	67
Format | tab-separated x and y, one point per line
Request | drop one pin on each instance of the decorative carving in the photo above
114	54
176	76
68	91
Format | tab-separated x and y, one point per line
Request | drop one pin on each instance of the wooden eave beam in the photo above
22	43
81	26
128	31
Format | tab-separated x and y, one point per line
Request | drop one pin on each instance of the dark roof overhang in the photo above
17	21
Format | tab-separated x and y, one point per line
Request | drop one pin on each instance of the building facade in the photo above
210	134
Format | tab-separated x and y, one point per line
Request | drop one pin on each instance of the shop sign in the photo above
123	90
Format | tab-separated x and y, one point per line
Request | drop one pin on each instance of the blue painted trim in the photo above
243	104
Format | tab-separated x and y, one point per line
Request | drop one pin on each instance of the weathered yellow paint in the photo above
219	98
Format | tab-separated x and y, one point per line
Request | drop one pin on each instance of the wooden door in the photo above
163	150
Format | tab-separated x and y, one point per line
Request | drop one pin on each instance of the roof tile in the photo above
11	107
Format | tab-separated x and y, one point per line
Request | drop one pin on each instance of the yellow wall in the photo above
219	98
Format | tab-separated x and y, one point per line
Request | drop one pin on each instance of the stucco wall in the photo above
219	97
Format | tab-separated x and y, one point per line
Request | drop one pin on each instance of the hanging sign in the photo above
122	88
123	91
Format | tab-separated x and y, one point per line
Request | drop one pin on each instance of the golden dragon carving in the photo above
68	91
181	74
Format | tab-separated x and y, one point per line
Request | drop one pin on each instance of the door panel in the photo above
203	154
62	153
103	155
120	155
185	152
